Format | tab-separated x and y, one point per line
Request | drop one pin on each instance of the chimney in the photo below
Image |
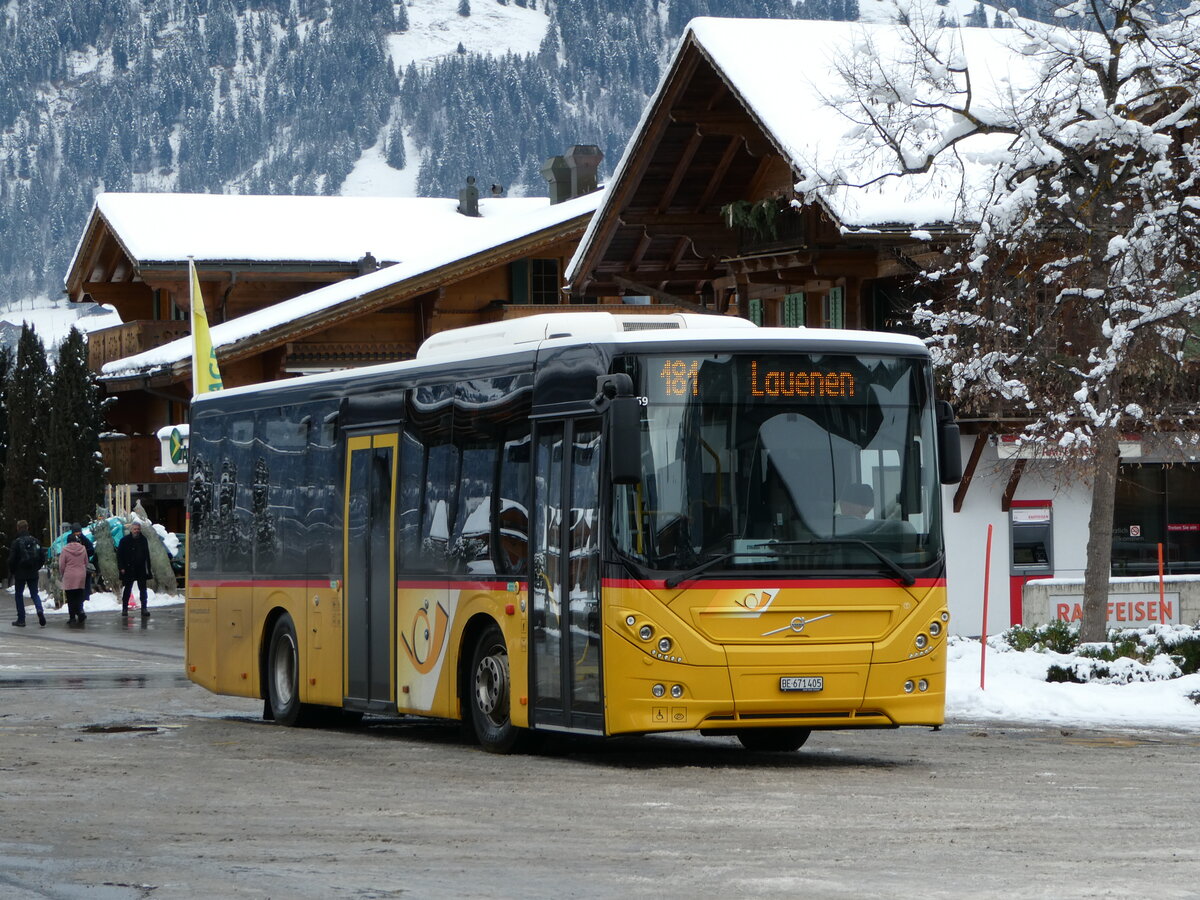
558	174
368	263
583	160
468	198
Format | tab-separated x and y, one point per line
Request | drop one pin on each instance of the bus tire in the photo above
773	740
283	675
489	695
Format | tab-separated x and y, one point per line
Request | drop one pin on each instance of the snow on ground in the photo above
106	602
436	29
1015	690
52	319
373	177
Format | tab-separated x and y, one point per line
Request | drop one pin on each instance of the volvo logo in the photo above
796	626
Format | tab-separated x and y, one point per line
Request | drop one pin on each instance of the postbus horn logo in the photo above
757	602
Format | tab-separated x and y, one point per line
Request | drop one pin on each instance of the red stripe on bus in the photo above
815	584
324	582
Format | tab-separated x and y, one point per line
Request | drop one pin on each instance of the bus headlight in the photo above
935	628
922	685
630	621
677	691
909	687
658	690
646	632
664	645
922	642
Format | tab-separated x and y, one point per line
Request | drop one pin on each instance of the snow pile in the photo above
1015	689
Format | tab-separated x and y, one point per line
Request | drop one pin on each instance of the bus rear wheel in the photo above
773	740
489	690
283	675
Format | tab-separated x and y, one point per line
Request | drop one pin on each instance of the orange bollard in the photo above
987	577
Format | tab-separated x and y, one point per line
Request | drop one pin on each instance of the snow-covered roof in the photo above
430	249
786	74
164	228
802	107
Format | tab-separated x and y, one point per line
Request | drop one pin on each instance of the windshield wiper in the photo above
680	577
902	574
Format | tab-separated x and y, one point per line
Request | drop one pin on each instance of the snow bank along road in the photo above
159	789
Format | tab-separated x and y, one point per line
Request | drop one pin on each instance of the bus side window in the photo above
408	501
234	528
441	494
470	549
512	512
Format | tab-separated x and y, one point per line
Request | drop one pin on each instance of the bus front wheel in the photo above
283	675
773	740
490	695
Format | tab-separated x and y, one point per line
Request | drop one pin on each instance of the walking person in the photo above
133	561
72	572
25	558
77	529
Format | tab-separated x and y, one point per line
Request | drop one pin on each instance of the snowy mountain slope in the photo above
436	29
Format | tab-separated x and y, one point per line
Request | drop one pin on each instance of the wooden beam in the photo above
681	167
712	118
648	219
636	259
969	472
115	292
718	175
1011	487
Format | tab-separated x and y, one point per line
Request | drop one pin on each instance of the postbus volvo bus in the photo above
582	523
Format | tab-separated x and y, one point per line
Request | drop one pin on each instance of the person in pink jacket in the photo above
72	572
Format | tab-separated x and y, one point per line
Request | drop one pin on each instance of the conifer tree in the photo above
464	8
5	534
75	419
25	393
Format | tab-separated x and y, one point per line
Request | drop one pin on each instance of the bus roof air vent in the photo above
644	325
513	334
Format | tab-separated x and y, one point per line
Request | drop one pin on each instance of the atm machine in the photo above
1031	548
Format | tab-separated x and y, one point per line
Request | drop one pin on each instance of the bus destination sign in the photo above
681	378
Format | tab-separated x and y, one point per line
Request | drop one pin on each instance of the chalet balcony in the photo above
120	341
130	459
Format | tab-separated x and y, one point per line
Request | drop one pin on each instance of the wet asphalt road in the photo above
108	650
120	780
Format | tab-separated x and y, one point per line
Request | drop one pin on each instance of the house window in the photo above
536	281
793	310
545	284
833	308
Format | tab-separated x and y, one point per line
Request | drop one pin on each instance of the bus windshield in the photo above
782	462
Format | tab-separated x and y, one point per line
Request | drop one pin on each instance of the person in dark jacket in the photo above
133	561
25	558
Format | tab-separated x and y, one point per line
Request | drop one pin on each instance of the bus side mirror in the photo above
949	448
615	395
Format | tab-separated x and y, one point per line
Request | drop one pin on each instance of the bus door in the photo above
370	570
565	675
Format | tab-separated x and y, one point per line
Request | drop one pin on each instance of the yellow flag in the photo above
206	376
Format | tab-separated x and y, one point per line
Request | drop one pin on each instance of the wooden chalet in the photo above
323	308
703	212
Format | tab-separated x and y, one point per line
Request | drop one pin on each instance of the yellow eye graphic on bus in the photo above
425	645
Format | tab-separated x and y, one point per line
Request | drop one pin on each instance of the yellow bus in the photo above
582	523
